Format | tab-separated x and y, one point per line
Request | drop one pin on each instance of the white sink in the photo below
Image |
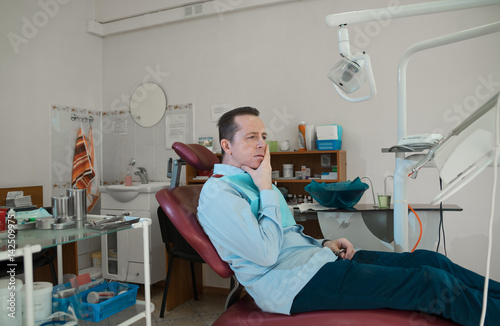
124	193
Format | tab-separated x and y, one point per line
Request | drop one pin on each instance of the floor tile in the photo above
183	311
210	319
201	312
192	321
209	303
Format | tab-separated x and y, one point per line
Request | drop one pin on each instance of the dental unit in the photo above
453	146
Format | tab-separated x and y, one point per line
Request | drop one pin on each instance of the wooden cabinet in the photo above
317	161
312	160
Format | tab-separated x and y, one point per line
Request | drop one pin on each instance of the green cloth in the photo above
244	184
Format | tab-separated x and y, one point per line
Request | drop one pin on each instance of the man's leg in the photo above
353	285
428	258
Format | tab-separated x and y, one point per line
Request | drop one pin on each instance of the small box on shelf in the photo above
328	145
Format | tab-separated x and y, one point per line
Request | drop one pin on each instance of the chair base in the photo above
246	312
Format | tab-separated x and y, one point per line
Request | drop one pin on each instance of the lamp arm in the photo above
425	45
343	42
364	16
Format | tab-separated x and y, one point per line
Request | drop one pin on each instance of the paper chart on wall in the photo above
179	124
217	110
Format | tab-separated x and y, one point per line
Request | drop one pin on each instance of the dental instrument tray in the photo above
64	225
112	222
25	225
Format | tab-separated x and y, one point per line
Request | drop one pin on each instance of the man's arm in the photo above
232	227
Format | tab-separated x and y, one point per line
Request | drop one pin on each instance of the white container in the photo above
42	300
11	303
96	259
310	137
287	170
285	145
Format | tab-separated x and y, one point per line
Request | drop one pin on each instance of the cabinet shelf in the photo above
317	161
304	180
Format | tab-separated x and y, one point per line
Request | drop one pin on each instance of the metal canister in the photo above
45	223
62	207
80	203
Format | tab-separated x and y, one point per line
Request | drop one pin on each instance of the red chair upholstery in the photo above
180	206
246	312
196	155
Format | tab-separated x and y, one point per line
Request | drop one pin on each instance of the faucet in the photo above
143	174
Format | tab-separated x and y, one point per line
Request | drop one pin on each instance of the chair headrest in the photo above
196	155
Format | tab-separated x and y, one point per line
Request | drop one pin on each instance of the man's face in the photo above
249	143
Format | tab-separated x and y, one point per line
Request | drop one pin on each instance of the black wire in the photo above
442	228
439	234
441	223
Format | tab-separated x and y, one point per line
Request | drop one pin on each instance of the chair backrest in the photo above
180	205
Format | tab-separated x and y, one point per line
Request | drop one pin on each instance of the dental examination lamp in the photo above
348	75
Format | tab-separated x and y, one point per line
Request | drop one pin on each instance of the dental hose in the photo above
420	223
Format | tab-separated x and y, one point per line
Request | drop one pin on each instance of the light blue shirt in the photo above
272	263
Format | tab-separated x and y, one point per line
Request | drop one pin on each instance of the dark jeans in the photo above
421	281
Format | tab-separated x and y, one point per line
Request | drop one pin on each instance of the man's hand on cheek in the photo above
262	175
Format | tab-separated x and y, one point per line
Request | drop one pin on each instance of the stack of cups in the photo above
79	203
62	208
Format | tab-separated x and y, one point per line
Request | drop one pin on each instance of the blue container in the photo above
328	145
99	311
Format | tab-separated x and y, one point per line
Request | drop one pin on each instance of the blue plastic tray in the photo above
99	311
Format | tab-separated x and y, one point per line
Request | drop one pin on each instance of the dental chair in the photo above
180	205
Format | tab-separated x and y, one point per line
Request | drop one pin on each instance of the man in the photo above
285	271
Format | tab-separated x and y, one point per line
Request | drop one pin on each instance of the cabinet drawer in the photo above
135	273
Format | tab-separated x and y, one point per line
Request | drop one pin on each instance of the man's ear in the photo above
226	146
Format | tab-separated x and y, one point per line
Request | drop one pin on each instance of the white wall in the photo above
276	59
50	60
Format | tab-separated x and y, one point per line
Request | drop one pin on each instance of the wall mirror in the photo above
148	104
